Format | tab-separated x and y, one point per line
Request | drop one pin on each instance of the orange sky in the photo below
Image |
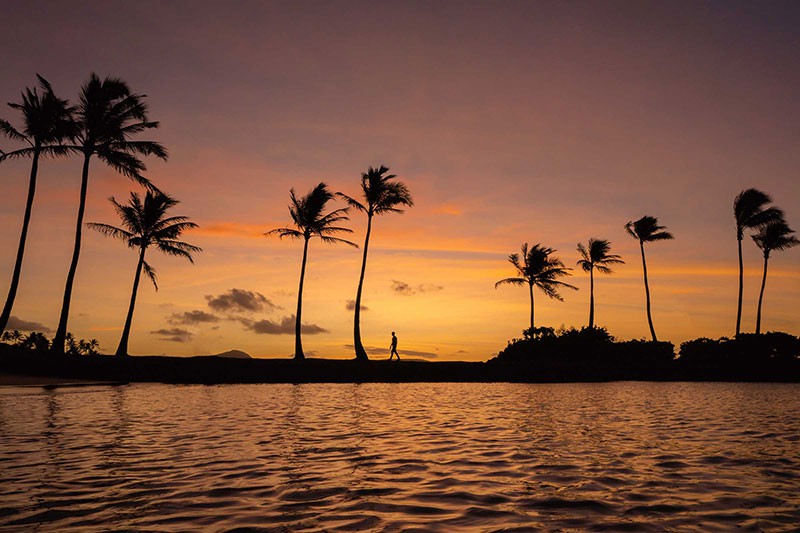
548	122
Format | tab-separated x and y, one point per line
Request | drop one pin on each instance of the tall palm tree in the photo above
773	236
538	268
381	194
646	229
310	220
108	116
145	224
47	123
596	256
750	211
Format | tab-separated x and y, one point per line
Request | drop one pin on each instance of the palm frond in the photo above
150	272
511	281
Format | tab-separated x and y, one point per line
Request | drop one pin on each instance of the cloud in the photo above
403	288
24	325
385	351
350	305
284	326
173	334
192	317
240	301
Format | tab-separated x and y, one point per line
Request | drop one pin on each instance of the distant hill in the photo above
234	354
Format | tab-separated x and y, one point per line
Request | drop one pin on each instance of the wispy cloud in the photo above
284	326
239	301
405	289
192	317
350	305
173	334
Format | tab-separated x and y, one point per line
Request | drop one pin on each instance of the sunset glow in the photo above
509	123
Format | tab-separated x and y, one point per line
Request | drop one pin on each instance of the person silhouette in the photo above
394	348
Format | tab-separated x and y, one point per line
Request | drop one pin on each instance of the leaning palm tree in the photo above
596	256
108	116
144	225
310	220
538	268
775	236
381	194
47	123
750	211
646	229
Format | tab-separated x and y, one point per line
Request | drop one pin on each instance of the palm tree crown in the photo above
145	225
646	229
381	194
109	115
310	220
596	256
47	122
773	236
750	211
537	267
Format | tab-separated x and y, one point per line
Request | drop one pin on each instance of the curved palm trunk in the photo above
361	353
298	343
741	288
647	294
761	295
122	349
530	286
61	333
12	290
591	299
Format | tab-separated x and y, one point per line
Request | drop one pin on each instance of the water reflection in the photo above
396	456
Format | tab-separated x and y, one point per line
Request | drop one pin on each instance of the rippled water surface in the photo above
446	457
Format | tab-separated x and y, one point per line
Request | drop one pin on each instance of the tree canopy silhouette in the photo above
774	236
381	194
750	211
310	220
596	256
537	267
47	123
646	229
145	225
108	117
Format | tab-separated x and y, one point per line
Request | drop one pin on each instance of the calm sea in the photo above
391	457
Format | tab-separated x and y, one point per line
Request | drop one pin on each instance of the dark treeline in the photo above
106	122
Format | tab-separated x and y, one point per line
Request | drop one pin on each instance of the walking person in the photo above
394	348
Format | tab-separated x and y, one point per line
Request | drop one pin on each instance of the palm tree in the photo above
750	211
310	220
48	122
774	236
646	229
596	256
538	268
108	116
381	194
145	225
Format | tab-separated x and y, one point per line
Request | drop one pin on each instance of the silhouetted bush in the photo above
38	342
747	349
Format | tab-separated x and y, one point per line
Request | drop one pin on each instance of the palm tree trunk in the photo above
361	353
530	286
12	290
122	349
741	289
647	294
591	299
761	296
61	333
298	344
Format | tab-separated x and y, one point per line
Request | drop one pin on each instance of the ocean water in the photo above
401	457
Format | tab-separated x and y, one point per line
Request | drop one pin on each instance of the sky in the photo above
510	122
